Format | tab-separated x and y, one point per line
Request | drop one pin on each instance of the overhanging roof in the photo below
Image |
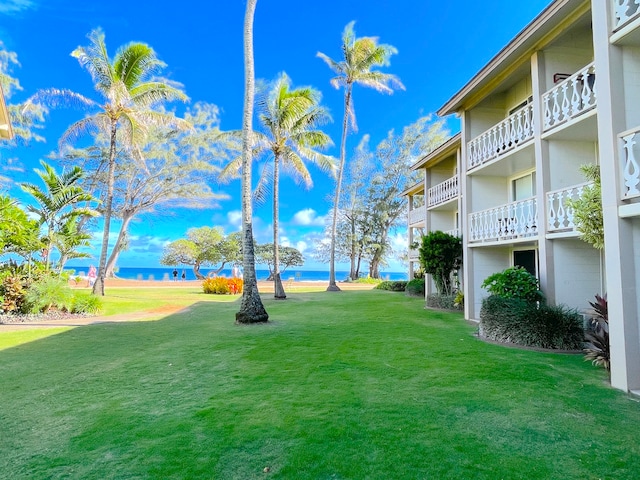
6	132
444	150
533	37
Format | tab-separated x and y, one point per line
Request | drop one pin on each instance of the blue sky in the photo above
441	46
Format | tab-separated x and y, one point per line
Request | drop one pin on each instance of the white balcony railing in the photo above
417	215
414	255
559	214
624	11
506	222
570	98
455	232
631	169
506	135
443	192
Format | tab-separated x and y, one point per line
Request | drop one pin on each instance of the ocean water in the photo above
141	273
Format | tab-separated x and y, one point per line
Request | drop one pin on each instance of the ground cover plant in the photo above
364	384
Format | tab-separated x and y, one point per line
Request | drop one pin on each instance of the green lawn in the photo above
356	385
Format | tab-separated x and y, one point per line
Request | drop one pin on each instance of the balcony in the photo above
559	214
414	255
443	192
455	232
507	222
417	215
631	169
570	98
625	11
513	131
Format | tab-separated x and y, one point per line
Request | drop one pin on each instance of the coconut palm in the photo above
289	118
361	55
251	308
58	202
130	91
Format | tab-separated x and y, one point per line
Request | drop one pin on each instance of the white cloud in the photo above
235	218
15	6
308	217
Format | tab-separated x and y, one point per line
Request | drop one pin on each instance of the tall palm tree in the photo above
58	202
130	91
360	56
290	118
251	308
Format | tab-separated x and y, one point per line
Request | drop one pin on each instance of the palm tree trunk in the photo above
334	226
278	289
98	287
113	258
251	308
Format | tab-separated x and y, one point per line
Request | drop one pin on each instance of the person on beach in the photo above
175	275
92	276
184	275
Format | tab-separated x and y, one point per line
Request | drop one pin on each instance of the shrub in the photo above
14	295
222	285
49	292
597	347
415	287
440	255
514	320
368	280
83	303
445	302
397	286
458	302
514	282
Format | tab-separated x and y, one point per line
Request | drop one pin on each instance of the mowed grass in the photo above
355	385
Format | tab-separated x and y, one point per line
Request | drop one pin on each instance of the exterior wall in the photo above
486	192
565	159
631	84
578	273
485	261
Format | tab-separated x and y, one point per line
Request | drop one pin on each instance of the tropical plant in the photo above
514	282
58	202
83	303
131	90
13	292
251	308
440	256
598	347
392	286
222	285
49	292
360	57
587	209
69	239
18	233
415	287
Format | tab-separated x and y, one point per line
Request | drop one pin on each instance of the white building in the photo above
6	133
563	93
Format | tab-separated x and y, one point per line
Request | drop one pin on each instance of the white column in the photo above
465	208
621	278
543	182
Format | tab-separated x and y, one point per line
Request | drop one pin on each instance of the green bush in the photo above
83	303
514	320
13	294
445	302
393	286
440	256
367	280
415	287
514	282
49	292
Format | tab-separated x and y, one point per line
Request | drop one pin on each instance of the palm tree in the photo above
130	91
251	308
361	55
289	118
58	202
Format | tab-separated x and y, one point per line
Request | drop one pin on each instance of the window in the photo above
520	105
523	187
527	259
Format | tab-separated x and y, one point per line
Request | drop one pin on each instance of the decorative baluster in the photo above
551	213
571	195
501	137
631	168
513	127
547	111
531	217
562	213
556	106
575	97
519	122
586	91
527	123
494	141
566	112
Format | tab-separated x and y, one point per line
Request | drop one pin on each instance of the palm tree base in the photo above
279	293
333	288
98	287
251	308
